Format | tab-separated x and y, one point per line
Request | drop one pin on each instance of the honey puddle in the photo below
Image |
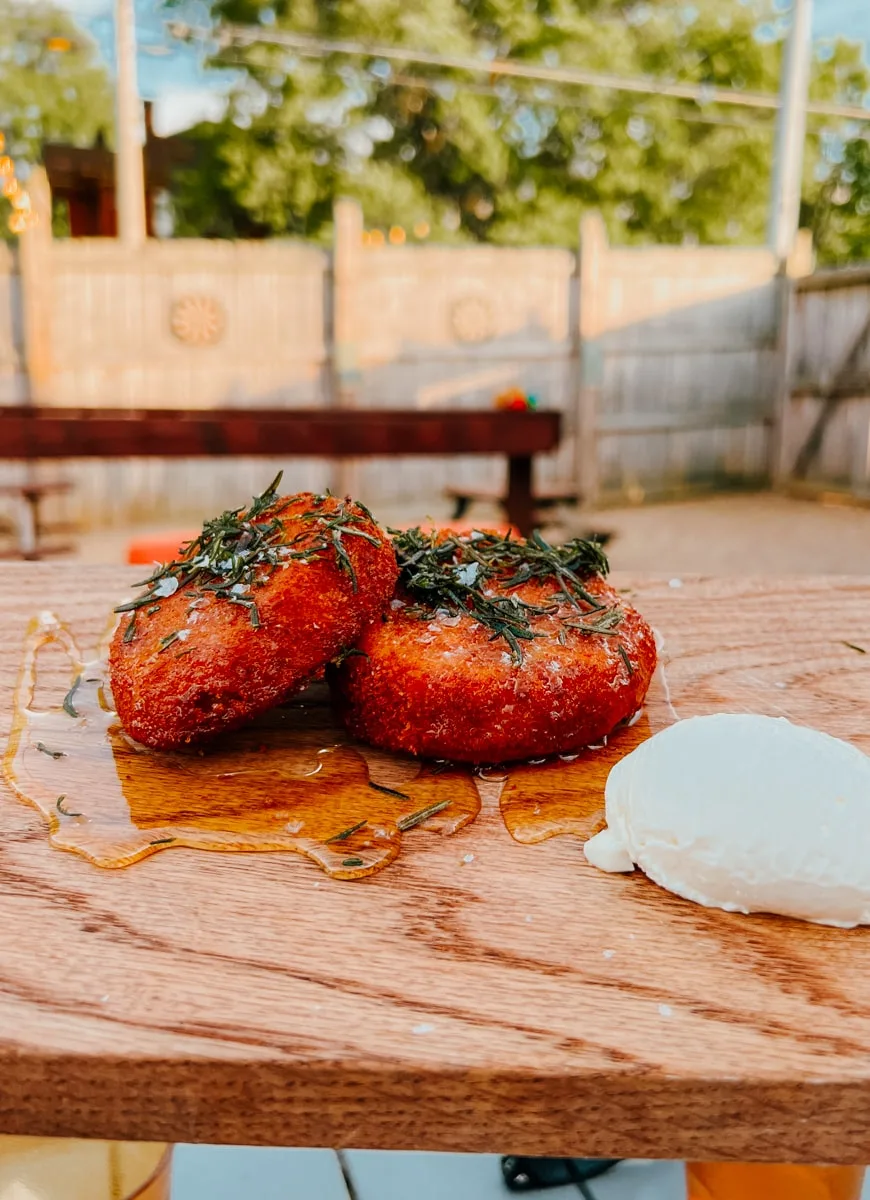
565	795
292	781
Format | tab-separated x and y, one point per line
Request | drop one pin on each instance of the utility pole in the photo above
791	128
129	168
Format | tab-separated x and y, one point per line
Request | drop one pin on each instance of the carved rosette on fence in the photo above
471	319
197	320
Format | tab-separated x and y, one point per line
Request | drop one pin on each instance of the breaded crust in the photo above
439	686
192	664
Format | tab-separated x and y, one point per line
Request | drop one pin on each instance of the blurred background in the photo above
650	218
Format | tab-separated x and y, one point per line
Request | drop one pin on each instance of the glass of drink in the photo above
74	1169
772	1181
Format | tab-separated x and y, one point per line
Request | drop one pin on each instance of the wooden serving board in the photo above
515	1001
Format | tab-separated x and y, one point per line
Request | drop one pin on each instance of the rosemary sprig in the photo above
623	654
68	707
166	642
345	833
477	575
388	791
405	823
237	551
51	753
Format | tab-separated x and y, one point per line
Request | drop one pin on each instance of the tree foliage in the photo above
515	161
52	89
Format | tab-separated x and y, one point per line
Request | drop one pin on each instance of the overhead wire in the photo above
227	34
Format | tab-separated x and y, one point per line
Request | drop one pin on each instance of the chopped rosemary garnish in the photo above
51	753
237	551
852	646
623	654
130	631
388	791
352	862
351	652
166	642
345	833
66	812
68	707
162	841
477	576
405	823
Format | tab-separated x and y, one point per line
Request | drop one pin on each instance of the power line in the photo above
248	35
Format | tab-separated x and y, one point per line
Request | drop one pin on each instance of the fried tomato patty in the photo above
250	612
436	682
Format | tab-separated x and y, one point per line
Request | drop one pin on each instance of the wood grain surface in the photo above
518	1002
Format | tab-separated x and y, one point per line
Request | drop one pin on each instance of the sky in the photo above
172	74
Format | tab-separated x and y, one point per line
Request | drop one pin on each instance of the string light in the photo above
22	216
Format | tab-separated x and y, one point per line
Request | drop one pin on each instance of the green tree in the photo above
51	86
52	89
837	178
502	159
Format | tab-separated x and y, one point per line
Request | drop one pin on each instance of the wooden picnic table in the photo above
49	432
478	994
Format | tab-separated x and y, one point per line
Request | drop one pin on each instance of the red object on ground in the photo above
158	547
163	547
467	527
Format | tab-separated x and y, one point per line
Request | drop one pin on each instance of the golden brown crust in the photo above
440	687
222	671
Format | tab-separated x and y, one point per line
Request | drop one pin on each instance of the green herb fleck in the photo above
68	707
166	642
345	833
623	654
51	753
155	608
388	791
130	631
405	823
352	862
477	575
351	652
162	841
66	812
852	646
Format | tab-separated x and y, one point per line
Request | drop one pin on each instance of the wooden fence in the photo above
825	442
662	361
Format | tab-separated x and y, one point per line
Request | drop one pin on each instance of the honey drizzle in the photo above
565	795
290	782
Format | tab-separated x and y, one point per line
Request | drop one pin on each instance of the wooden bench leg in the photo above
520	505
28	526
461	505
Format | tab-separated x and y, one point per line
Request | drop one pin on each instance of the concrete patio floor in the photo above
757	534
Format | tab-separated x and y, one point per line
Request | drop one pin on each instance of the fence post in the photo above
344	346
34	258
798	264
593	248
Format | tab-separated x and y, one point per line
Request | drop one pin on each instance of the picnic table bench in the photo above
49	432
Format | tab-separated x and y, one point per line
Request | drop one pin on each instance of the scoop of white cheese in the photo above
745	813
